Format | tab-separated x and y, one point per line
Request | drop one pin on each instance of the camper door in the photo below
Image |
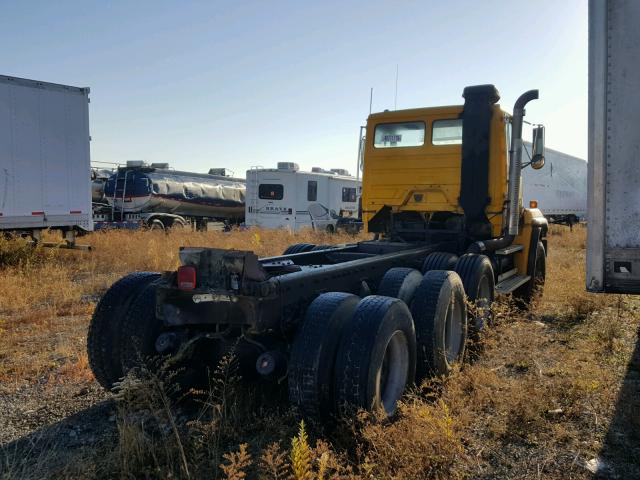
312	209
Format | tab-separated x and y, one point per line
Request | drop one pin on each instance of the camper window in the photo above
391	135
270	191
447	132
349	194
312	191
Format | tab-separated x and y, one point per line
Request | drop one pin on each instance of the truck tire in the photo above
322	247
311	366
400	282
298	248
376	358
476	273
139	330
439	261
530	291
440	317
103	349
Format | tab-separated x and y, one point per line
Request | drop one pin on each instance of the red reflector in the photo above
186	277
37	213
75	212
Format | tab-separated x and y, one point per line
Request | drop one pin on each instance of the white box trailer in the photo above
613	245
285	197
44	157
560	188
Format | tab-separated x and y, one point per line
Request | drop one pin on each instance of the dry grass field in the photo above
554	393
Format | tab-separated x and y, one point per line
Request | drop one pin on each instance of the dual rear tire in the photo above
120	321
355	353
298	248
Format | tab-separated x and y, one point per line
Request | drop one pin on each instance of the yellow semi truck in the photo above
353	326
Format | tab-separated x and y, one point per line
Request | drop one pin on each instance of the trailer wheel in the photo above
440	317
139	330
477	277
313	353
156	224
298	248
439	261
103	348
530	291
400	283
376	357
178	224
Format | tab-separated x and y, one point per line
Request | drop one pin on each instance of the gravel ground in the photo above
43	427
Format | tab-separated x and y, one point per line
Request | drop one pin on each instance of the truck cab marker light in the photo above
186	277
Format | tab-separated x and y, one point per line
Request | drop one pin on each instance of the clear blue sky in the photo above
236	84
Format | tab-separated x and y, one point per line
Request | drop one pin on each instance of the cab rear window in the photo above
394	135
447	132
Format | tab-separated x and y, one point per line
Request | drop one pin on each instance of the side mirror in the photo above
537	151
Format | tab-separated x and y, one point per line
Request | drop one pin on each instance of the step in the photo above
509	250
507	274
511	283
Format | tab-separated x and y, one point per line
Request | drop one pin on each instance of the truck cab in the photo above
443	173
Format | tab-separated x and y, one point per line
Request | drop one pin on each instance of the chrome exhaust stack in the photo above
515	155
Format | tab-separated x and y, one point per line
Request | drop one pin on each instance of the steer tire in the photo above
526	295
103	347
439	261
400	282
380	334
298	248
311	367
476	273
139	331
439	303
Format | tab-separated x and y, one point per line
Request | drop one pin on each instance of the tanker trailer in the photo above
160	198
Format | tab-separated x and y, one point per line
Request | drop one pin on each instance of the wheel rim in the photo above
391	378
483	304
453	333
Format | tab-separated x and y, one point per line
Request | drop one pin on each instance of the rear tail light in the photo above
186	277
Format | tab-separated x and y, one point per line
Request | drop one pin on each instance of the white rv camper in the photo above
285	197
